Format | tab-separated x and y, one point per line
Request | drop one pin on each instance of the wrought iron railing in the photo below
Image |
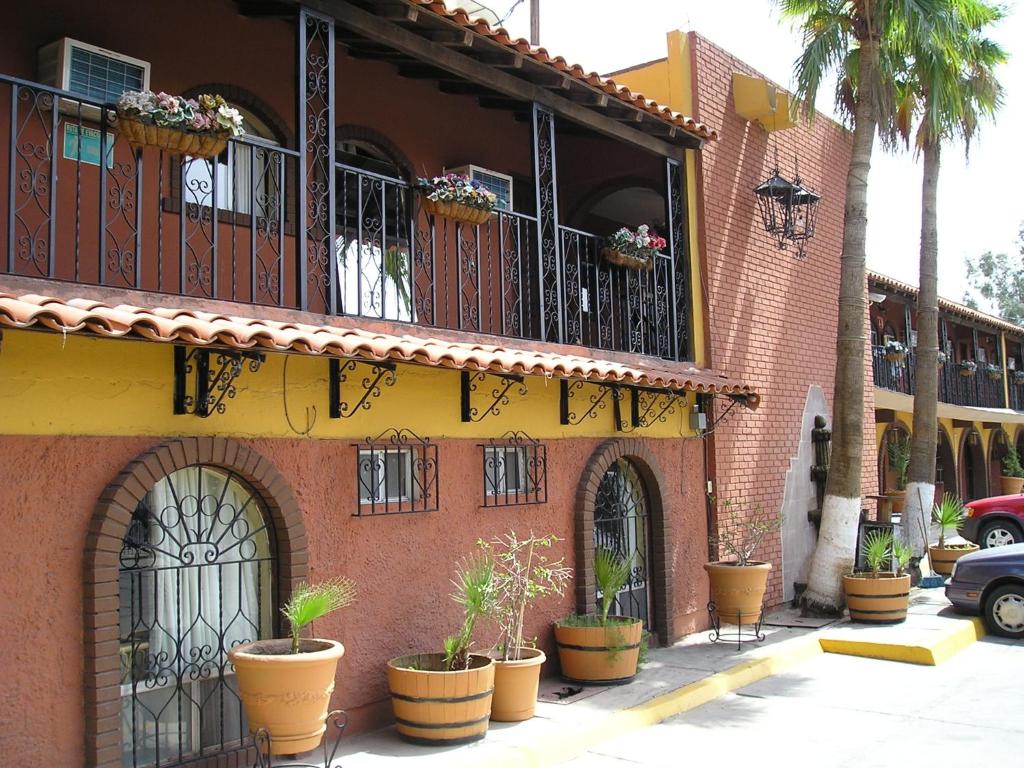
893	374
954	387
228	229
1016	393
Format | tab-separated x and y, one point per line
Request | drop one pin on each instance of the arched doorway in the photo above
1020	443
887	480
973	475
945	466
622	525
998	447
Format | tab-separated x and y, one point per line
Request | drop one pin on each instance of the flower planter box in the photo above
967	373
895	357
140	134
613	256
460	212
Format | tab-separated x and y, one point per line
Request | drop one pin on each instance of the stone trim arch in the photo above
661	545
237	95
896	427
110	521
964	482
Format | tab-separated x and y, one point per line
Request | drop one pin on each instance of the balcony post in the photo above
545	176
317	268
678	236
1006	371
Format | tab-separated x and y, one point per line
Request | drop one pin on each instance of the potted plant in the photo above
898	449
636	250
197	127
993	372
445	698
941	358
457	197
880	596
1012	479
967	368
949	516
601	649
895	352
738	583
286	685
522	575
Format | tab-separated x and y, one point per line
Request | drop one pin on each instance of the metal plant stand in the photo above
752	634
337	721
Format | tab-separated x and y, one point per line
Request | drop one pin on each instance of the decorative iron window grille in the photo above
515	471
396	473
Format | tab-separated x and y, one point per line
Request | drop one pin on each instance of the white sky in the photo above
980	204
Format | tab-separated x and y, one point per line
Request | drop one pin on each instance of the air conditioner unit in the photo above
96	74
498	183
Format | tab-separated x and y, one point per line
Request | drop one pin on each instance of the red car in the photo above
995	521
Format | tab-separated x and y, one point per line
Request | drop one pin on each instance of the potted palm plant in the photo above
1012	479
880	595
898	449
445	698
738	582
286	685
949	516
601	649
522	575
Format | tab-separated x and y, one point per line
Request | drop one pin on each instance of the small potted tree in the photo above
1012	479
286	685
522	575
880	595
738	582
898	449
949	516
445	698
601	649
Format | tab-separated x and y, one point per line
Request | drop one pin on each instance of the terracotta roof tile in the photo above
500	35
169	325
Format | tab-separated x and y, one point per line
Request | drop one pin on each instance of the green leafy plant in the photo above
611	572
1011	463
522	575
901	554
899	458
474	591
948	515
740	532
878	550
311	602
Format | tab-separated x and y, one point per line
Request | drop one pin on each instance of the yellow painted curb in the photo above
931	654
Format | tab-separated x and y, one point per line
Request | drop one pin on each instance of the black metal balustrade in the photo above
1016	393
895	375
978	390
229	229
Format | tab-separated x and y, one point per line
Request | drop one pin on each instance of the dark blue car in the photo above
991	582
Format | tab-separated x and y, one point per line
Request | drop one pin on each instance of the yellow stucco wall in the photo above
55	384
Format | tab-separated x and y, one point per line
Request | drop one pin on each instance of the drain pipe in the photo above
705	406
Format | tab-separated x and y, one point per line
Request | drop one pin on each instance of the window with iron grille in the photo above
514	471
396	473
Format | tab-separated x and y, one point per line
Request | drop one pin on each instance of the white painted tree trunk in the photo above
917	511
833	557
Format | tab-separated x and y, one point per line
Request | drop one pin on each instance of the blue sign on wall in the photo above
83	144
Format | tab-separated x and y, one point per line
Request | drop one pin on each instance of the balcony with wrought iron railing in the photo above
957	386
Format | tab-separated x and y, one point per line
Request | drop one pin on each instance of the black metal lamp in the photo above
774	199
803	212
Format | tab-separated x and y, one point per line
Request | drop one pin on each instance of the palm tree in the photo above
949	86
852	37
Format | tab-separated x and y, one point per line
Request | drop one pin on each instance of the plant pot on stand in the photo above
738	590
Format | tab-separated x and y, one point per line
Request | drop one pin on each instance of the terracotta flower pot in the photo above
286	693
881	599
515	686
943	558
460	212
435	707
738	591
604	655
1011	486
899	500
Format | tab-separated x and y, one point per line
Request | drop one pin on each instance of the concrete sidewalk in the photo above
686	675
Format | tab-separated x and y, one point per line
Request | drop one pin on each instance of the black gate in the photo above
621	524
195	581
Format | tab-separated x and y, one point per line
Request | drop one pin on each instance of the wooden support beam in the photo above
396	11
992	424
501	102
417	71
451	37
463	88
962	424
885	416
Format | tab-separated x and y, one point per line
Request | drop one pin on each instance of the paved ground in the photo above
965	712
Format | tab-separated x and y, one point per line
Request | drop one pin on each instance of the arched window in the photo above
195	580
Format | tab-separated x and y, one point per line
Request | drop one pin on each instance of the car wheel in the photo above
999	533
1004	611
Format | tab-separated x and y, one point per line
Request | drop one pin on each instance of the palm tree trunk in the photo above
833	555
921	489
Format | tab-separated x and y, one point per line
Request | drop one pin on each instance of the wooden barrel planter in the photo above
944	558
140	134
606	655
881	599
465	214
435	707
738	591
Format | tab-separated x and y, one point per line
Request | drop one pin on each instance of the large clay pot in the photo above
604	655
899	500
516	684
1011	486
435	707
881	599
287	693
943	558
738	590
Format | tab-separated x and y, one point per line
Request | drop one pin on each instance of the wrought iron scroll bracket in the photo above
213	374
499	395
337	721
650	406
378	375
595	401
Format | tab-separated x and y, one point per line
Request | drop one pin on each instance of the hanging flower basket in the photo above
457	197
895	352
967	368
1018	377
993	372
634	250
195	127
940	358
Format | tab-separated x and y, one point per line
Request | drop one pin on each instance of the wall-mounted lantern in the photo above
789	209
